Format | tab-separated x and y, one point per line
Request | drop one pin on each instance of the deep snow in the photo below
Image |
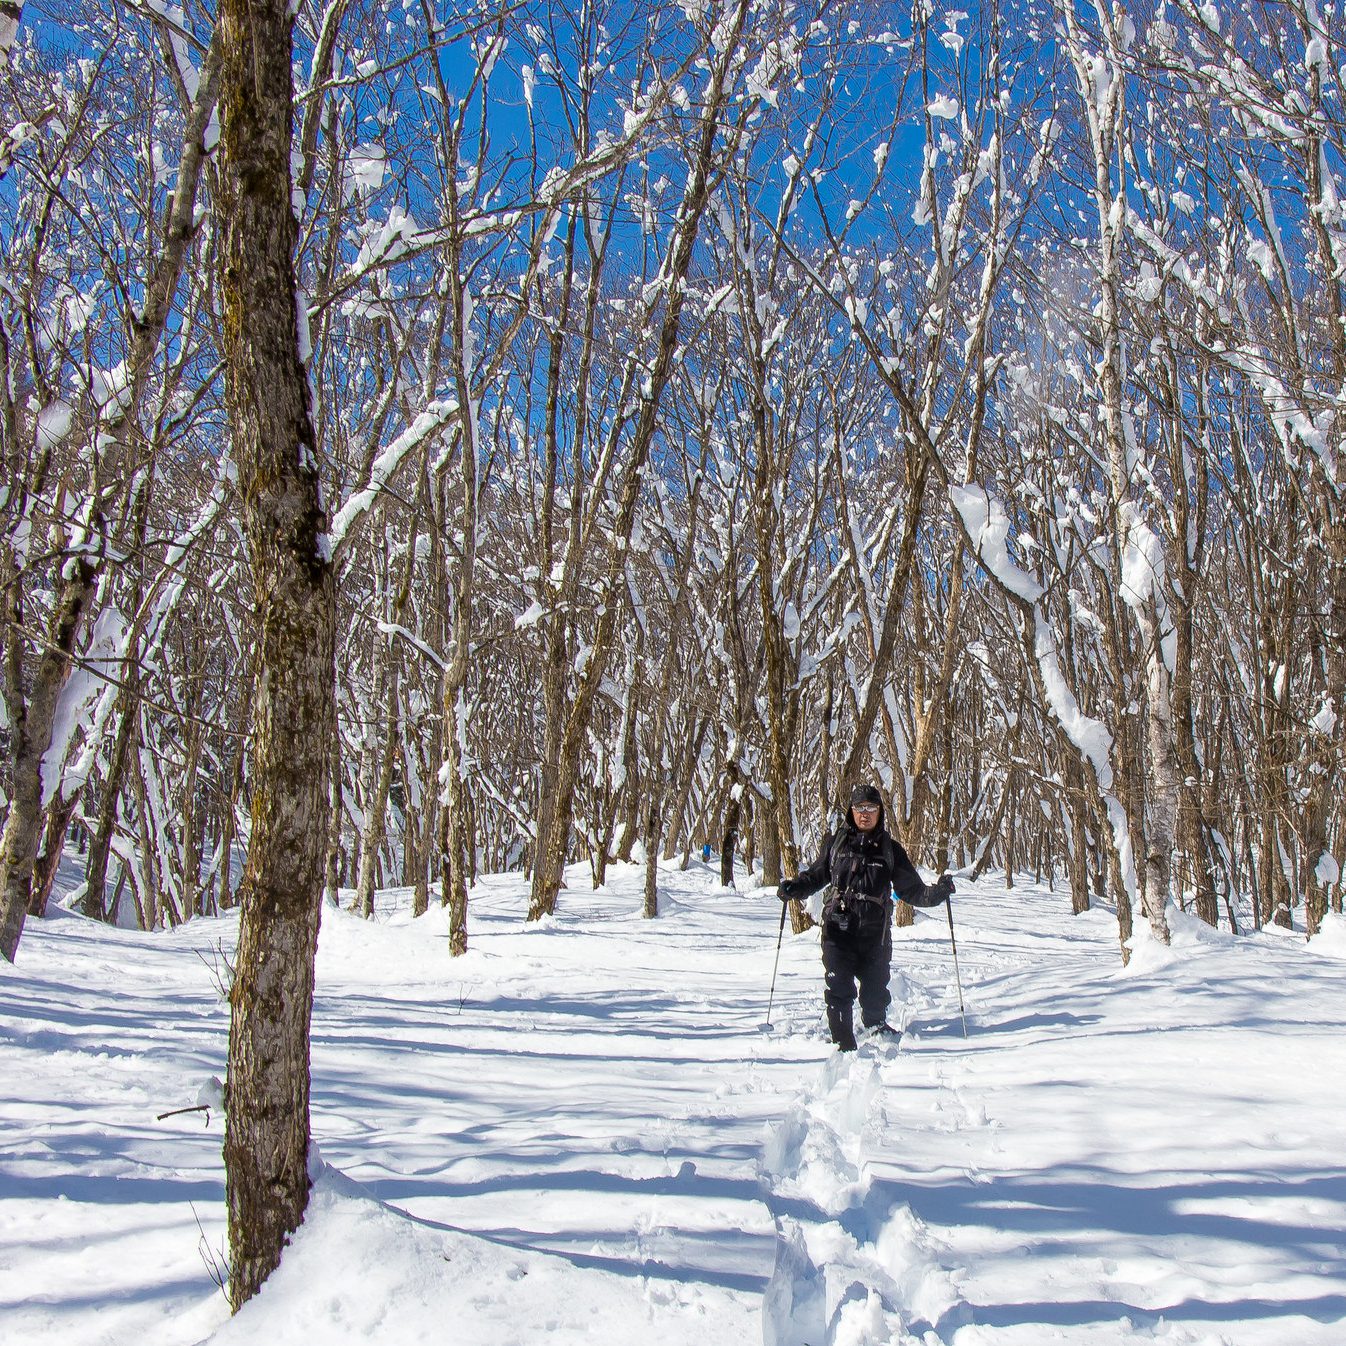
578	1132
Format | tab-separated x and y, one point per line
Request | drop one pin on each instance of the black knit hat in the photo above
865	794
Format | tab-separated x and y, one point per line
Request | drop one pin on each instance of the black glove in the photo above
943	889
786	890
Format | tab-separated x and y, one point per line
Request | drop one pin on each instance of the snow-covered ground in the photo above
579	1132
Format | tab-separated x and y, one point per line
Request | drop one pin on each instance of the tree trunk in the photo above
59	813
229	825
945	816
682	789
729	838
125	743
457	834
376	806
30	715
151	891
748	834
628	796
189	884
456	799
558	814
1079	843
650	905
768	822
1327	738
428	829
267	396
1152	829
30	736
367	770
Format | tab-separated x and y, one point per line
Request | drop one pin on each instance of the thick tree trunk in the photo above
1162	814
1193	828
768	824
933	725
779	852
1152	829
944	818
1322	873
267	1107
601	849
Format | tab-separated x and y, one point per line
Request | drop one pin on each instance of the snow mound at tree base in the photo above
1331	937
359	1271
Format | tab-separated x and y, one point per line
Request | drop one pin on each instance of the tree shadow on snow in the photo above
531	1241
1075	1217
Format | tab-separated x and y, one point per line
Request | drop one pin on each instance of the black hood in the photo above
848	822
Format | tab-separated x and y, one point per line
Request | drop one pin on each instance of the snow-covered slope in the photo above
579	1132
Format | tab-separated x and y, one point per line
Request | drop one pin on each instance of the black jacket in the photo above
863	864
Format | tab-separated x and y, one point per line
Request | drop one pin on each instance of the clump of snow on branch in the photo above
102	659
987	527
1090	736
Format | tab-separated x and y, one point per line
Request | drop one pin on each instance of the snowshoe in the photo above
882	1035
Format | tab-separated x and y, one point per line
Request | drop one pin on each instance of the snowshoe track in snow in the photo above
854	1266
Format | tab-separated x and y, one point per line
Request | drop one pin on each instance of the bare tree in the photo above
271	999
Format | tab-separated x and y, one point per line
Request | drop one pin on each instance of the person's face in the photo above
866	816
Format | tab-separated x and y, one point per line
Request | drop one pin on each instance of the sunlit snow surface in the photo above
579	1133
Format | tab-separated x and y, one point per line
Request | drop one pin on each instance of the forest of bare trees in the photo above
710	404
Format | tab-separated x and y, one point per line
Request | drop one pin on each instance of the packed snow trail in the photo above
576	1133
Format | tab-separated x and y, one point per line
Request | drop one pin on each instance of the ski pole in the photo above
953	944
771	999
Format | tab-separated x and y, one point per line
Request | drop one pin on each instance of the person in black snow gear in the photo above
865	866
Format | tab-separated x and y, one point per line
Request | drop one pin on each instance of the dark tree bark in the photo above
729	833
48	860
1078	866
267	1118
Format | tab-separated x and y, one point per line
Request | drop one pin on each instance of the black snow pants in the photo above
857	946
